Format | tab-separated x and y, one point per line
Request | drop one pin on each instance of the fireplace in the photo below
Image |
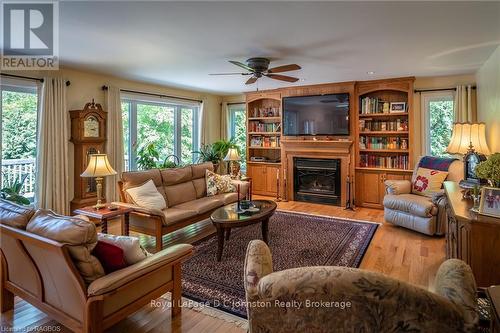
317	180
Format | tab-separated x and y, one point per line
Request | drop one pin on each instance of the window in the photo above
438	122
238	129
18	134
170	126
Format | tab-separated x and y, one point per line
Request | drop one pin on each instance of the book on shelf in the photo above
388	162
371	105
367	125
265	141
254	126
374	142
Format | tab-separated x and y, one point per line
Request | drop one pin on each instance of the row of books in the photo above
254	126
266	112
264	141
389	162
366	142
377	125
374	105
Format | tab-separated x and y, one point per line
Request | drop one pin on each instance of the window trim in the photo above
425	99
233	108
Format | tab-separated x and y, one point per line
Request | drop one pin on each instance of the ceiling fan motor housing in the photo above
258	64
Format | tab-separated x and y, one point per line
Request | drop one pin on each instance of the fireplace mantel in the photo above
327	149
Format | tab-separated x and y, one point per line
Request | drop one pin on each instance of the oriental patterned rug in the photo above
295	240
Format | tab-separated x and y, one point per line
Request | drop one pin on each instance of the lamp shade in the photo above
98	167
466	134
232	155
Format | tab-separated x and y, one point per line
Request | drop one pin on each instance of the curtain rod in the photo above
29	78
440	89
156	95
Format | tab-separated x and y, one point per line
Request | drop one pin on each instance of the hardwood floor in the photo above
397	252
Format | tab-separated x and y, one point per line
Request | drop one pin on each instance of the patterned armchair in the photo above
342	299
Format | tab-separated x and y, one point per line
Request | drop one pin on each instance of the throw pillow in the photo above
427	181
147	196
217	184
131	247
110	256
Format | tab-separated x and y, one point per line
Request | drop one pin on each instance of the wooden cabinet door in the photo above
271	179
369	189
258	174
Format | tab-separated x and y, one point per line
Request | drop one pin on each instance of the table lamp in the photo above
233	157
98	168
469	139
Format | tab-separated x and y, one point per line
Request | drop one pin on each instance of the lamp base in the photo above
99	205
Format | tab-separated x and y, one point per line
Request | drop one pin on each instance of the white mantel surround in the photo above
326	149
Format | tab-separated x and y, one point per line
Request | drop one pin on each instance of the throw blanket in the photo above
436	163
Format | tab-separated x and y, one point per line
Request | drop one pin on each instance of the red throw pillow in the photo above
111	256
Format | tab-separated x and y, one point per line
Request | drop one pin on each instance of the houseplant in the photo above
490	170
215	152
12	191
148	158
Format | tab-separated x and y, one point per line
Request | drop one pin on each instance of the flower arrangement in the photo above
490	169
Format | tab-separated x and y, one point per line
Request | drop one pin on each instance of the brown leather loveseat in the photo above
185	192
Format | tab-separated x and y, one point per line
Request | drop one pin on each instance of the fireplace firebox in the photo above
317	180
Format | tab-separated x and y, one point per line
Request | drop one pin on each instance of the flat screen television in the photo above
316	115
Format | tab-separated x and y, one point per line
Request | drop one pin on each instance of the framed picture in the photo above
490	201
398	107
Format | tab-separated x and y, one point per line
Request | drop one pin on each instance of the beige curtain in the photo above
465	104
114	141
52	190
224	121
203	123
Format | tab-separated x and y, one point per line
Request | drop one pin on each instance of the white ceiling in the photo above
179	44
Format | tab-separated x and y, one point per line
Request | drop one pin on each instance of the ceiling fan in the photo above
259	67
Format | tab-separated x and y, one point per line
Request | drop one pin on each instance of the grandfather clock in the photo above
88	134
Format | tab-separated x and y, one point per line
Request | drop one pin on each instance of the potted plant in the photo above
148	158
12	191
207	153
490	170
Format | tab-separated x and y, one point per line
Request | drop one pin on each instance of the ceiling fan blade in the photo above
242	65
284	68
282	77
251	80
229	73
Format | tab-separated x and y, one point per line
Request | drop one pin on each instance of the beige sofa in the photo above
343	299
423	214
185	193
63	279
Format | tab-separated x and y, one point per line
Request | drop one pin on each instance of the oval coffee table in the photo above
225	218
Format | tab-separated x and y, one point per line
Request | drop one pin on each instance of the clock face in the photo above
91	127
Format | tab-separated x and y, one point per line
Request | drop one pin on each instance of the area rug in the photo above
295	240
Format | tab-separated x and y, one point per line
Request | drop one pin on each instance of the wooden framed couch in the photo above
62	278
184	191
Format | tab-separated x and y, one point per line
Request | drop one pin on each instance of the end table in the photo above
104	214
249	191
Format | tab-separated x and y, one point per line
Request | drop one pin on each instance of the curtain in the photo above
203	124
52	189
465	104
224	122
114	141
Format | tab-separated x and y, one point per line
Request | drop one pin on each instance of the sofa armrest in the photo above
258	263
121	277
455	281
397	187
244	186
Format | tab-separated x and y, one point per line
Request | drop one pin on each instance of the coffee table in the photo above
225	218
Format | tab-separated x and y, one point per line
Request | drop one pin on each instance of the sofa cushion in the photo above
147	196
176	175
132	250
78	234
200	185
200	169
110	256
180	193
15	215
217	184
174	215
411	203
427	181
136	178
202	205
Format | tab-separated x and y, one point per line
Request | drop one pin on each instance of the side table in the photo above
249	180
493	294
104	214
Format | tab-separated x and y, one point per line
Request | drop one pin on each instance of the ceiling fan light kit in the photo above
259	67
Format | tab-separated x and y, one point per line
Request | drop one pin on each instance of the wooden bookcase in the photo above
263	141
383	140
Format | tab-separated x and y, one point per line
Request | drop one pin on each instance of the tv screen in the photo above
316	115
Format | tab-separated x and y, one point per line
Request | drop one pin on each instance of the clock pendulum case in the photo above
88	134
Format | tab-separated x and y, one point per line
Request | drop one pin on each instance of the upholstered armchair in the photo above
420	213
343	299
